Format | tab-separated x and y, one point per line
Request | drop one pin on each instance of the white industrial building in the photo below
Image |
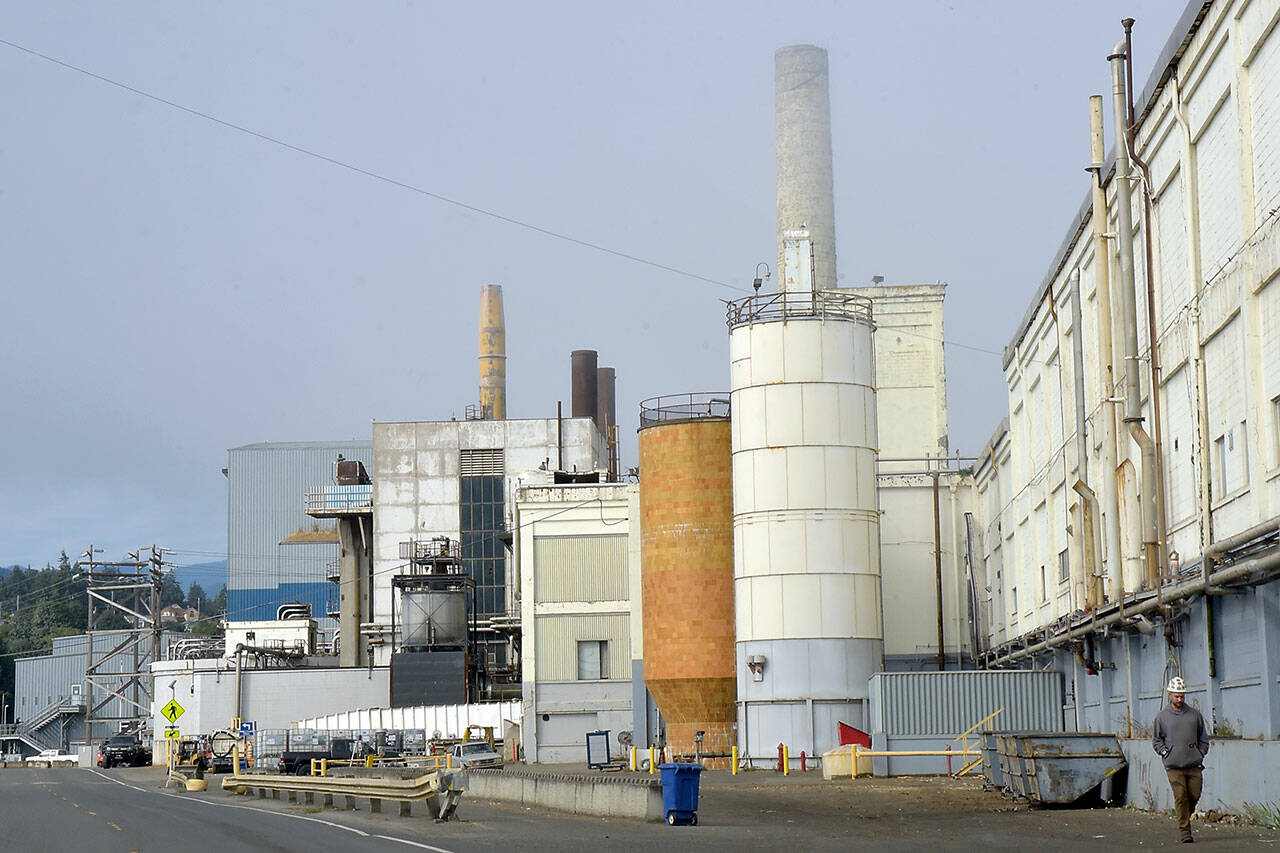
578	564
455	479
1128	536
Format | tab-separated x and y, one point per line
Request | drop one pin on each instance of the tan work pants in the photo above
1186	783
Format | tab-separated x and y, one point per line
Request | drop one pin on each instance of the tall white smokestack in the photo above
802	112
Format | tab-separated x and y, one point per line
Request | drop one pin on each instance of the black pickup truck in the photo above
299	763
124	749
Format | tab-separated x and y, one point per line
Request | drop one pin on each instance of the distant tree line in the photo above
37	605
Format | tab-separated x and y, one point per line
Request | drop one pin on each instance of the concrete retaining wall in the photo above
1235	772
608	796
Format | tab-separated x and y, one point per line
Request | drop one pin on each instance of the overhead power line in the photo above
369	173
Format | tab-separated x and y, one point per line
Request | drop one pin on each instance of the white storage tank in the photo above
806	527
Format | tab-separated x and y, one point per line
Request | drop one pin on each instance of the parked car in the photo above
125	749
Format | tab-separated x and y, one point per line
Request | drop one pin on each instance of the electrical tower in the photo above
132	588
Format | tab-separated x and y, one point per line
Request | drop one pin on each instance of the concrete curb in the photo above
607	796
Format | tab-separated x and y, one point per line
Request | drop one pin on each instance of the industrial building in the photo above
578	569
1128	536
803	544
276	553
51	691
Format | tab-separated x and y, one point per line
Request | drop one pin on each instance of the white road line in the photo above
413	843
281	814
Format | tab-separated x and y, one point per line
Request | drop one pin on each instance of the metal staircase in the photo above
32	731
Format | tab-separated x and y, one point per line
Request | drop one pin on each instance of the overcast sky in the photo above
173	287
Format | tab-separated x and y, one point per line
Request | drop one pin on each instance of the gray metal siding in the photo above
580	568
265	488
947	703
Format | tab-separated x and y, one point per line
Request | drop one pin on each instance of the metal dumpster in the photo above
1059	767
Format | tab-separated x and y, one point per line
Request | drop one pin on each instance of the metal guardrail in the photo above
698	405
427	789
339	498
798	305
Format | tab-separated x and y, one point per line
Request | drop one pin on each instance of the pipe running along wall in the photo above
1128	291
1105	299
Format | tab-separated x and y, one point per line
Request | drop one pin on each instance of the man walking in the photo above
1180	738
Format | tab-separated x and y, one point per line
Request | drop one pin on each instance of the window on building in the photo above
1244	455
1044	583
1064	566
481	508
1013	599
593	660
1275	431
1219	478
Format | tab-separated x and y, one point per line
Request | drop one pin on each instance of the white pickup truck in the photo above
51	755
476	753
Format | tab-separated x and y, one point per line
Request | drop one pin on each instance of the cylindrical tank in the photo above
585	384
686	522
493	353
806	525
802	114
434	618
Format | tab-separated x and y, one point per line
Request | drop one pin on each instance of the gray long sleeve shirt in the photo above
1180	737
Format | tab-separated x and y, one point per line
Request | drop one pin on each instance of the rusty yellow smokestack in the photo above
493	353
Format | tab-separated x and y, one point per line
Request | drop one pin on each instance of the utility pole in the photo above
131	587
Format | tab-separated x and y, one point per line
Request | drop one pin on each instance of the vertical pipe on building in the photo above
493	354
584	402
1197	346
1156	490
937	569
1106	353
1128	291
559	435
802	113
1086	536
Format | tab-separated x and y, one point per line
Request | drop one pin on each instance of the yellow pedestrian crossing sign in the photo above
172	711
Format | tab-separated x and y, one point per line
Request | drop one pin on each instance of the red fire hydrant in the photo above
802	764
780	758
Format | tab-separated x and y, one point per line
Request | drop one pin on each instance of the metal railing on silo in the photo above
767	307
674	408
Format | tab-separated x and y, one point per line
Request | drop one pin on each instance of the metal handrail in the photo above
797	304
333	498
695	405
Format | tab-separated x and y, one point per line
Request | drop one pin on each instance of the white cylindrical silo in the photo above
802	115
808	631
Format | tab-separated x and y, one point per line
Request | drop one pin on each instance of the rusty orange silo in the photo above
686	519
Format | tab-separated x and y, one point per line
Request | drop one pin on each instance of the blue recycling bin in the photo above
680	792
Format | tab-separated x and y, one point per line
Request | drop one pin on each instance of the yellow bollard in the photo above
786	761
633	759
368	760
324	767
735	759
653	765
448	760
235	759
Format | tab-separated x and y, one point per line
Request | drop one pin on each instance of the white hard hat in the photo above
1177	685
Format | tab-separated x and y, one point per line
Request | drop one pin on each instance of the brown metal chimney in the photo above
585	402
607	413
493	354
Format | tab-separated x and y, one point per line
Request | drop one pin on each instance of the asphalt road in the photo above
127	809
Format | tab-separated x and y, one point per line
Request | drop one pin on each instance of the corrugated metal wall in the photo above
947	703
44	680
581	568
557	644
265	489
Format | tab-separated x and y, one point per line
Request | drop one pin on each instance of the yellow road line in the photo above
95	814
113	826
